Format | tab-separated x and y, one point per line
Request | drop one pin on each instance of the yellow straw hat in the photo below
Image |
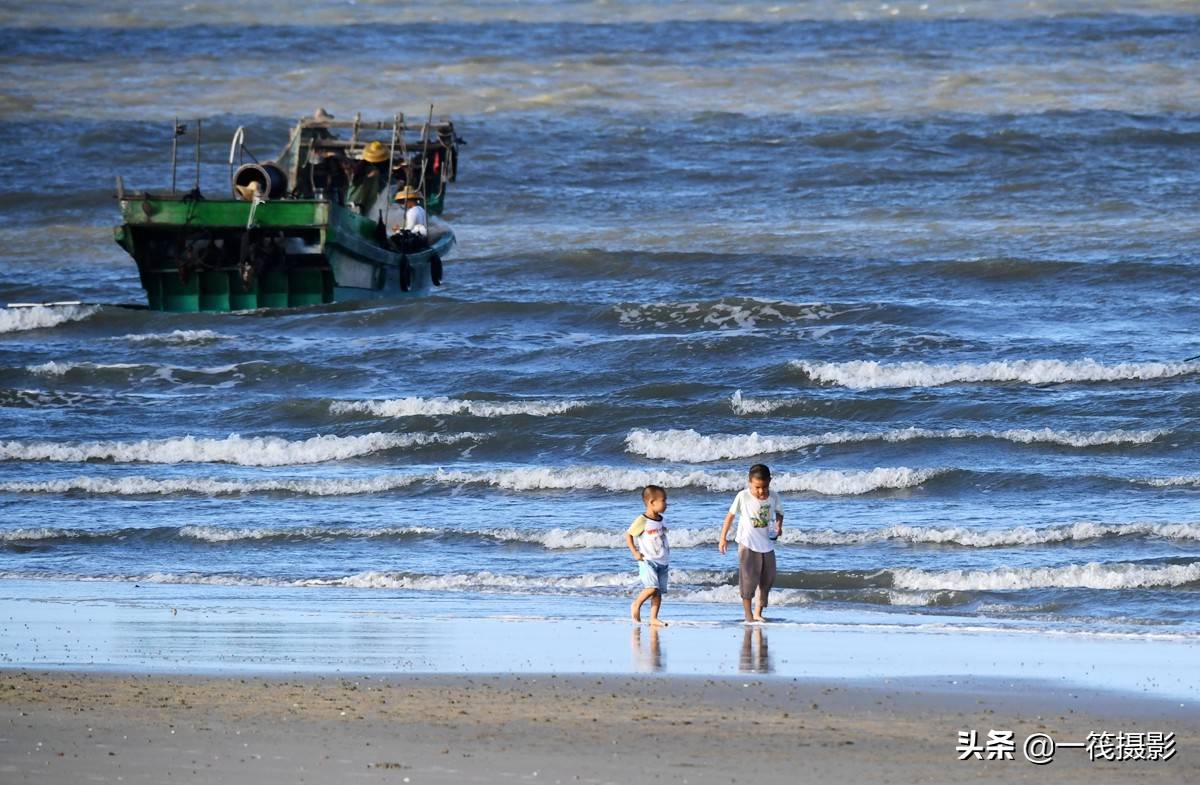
375	153
406	193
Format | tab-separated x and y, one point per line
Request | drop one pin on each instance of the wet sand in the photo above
94	726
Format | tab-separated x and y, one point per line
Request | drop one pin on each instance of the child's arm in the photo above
632	548
721	542
779	523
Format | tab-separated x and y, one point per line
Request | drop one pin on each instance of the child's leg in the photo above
655	604
635	610
748	578
765	583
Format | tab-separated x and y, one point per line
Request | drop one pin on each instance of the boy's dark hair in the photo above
759	471
651	492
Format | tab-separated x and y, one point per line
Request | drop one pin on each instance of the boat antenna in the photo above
387	191
180	130
197	189
425	163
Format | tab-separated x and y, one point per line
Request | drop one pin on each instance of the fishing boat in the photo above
316	224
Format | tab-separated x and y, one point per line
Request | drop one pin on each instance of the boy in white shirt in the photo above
756	509
647	541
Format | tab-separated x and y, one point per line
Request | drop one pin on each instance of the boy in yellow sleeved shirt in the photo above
647	541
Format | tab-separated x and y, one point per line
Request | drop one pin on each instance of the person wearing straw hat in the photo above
413	236
366	177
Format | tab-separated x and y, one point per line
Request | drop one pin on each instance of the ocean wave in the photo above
734	313
41	316
743	405
864	375
559	538
993	538
1172	482
165	373
175	337
433	407
689	446
484	581
1093	575
827	482
235	449
36	399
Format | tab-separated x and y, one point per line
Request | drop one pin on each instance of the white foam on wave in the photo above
223	534
34	534
993	538
41	316
56	368
828	482
176	337
861	374
740	314
484	581
236	449
441	406
137	485
689	446
164	372
1093	575
742	405
1171	482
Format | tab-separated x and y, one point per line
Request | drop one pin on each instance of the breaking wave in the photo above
734	313
243	451
743	405
865	375
691	447
827	482
40	316
414	407
175	337
1172	482
591	538
1083	576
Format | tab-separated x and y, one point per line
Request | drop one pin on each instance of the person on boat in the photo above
414	234
367	176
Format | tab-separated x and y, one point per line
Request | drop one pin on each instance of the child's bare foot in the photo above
657	623
635	613
759	617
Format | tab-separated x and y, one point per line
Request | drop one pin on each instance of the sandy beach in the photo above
66	727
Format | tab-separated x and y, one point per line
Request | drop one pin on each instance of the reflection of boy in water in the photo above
756	509
647	541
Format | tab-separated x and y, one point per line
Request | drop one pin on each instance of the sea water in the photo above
935	263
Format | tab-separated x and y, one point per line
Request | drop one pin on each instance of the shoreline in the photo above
221	631
446	728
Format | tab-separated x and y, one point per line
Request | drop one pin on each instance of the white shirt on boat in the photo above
415	220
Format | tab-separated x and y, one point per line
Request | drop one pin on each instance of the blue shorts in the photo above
653	575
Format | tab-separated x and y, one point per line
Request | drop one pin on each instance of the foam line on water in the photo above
235	449
828	482
41	316
863	375
689	446
441	406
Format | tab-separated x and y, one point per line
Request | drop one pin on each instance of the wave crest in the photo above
865	375
41	316
432	407
235	449
688	446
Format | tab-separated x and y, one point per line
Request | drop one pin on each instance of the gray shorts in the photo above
755	571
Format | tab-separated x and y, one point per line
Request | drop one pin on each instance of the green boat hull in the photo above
198	254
